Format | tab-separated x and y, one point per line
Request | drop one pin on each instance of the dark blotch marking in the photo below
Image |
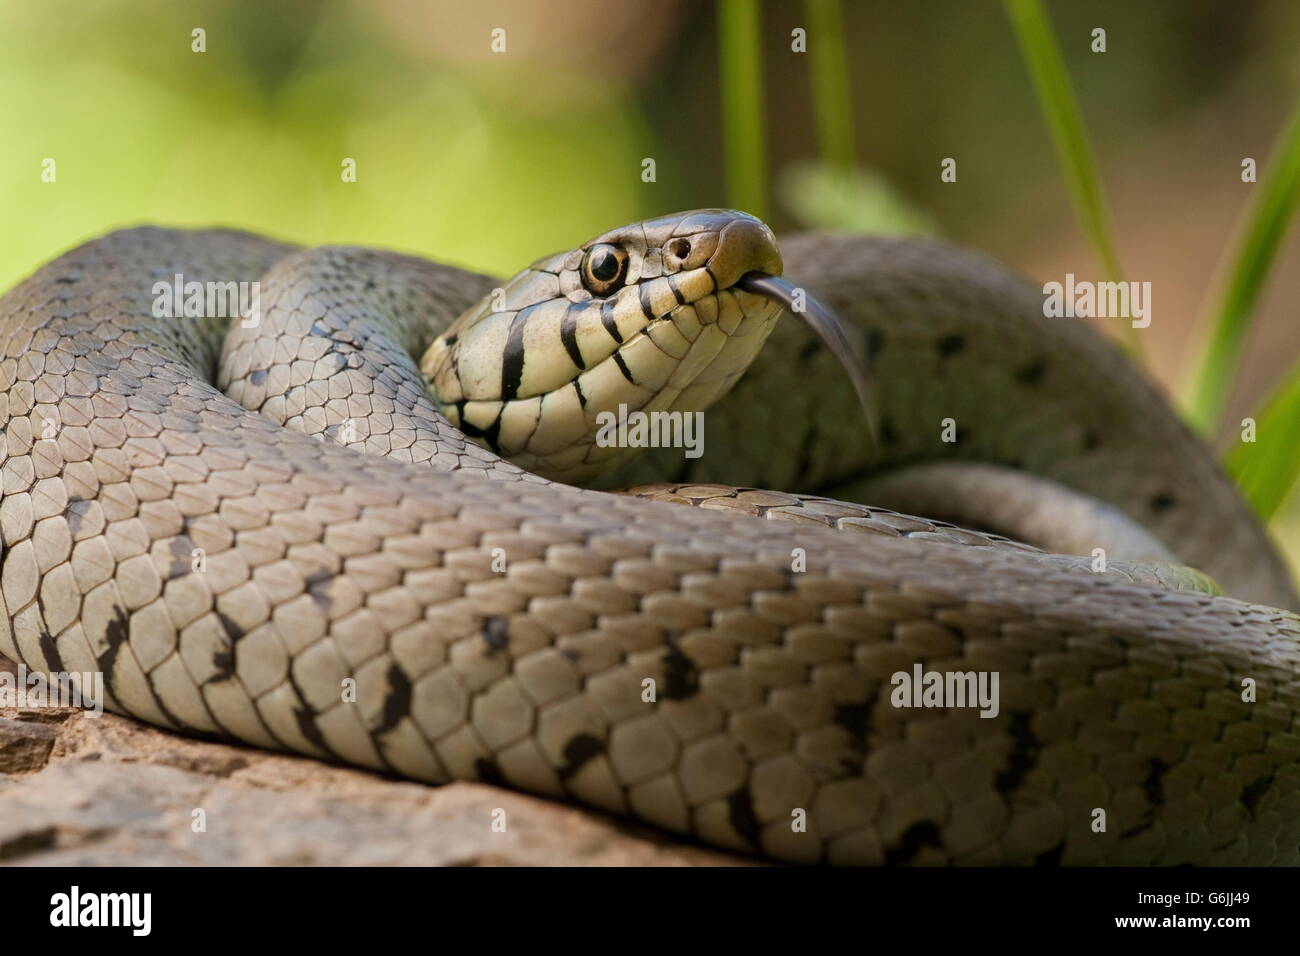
1252	792
856	719
489	772
307	727
1051	857
450	340
647	309
1032	374
182	550
73	515
578	751
494	634
582	399
1153	786
1024	752
224	659
258	377
918	835
50	651
622	367
681	676
224	662
315	587
1162	502
398	702
569	334
951	344
115	635
741	815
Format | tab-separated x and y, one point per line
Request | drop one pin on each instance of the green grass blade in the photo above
1266	470
1060	109
832	104
1265	226
740	58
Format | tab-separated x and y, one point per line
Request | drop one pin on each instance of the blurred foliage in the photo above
253	133
832	97
1251	262
829	197
740	66
1056	99
1266	470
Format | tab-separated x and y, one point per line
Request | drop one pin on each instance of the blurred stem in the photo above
1061	111
832	105
1256	249
1266	470
740	55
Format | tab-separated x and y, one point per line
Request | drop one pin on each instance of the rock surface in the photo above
81	790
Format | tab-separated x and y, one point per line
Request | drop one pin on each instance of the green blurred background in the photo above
490	160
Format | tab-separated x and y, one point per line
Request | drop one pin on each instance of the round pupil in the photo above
604	265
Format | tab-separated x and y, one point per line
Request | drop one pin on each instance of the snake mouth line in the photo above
828	326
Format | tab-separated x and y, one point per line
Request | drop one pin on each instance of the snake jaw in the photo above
527	372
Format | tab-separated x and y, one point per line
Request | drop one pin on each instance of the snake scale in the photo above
671	663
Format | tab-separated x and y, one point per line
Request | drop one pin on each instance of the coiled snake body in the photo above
234	561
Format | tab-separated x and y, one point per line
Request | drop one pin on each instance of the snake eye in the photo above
604	268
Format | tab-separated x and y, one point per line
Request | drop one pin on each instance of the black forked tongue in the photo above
826	324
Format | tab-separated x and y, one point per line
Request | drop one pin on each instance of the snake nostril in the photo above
680	248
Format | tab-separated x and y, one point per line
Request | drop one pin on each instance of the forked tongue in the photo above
826	324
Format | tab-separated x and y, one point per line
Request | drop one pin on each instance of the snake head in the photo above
658	316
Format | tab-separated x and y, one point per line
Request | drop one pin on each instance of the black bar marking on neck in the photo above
677	293
646	308
512	363
622	367
569	334
607	320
